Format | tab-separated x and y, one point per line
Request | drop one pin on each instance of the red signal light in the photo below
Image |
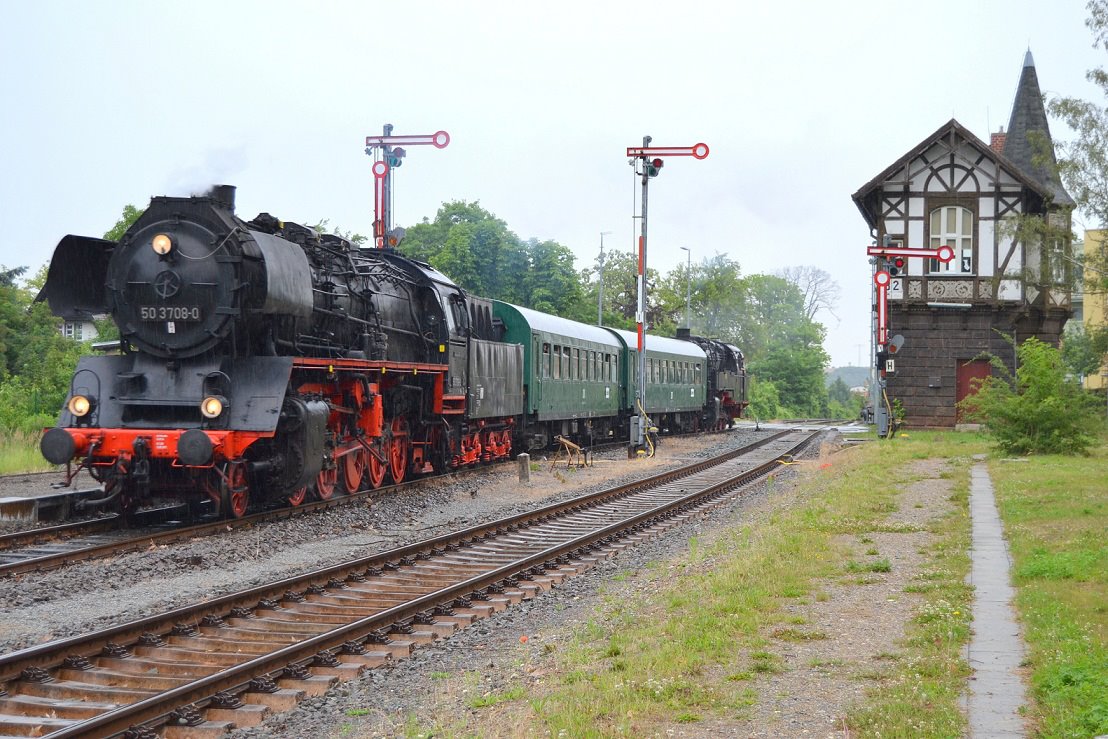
896	265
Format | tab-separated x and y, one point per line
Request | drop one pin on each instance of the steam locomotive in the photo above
260	362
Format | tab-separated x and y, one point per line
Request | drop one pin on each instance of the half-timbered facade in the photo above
953	189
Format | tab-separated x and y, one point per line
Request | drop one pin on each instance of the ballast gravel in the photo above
41	607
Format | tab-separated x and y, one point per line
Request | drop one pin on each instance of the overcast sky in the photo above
801	103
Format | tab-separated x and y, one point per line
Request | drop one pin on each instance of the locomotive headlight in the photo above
212	406
162	244
79	405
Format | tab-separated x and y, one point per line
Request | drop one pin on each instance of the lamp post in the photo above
688	289
600	297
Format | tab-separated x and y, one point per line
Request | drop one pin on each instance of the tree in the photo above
819	290
477	250
765	402
126	220
1083	350
11	317
552	284
621	274
324	227
471	246
39	366
1037	410
719	293
1083	164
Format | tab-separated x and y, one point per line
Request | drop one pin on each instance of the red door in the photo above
967	371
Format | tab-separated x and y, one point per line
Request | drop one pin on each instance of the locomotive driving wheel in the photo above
377	466
398	449
234	490
325	483
353	468
296	497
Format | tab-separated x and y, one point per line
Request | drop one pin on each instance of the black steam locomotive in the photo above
261	362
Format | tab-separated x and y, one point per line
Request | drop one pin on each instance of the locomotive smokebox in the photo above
223	194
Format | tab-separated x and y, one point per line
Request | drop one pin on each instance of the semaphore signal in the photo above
391	155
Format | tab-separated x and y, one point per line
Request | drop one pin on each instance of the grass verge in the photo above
19	453
1055	515
690	648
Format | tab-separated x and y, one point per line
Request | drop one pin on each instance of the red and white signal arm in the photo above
943	253
697	151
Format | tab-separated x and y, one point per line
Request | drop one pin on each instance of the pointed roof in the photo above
1029	115
867	196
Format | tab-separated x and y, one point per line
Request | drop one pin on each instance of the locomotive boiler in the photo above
261	361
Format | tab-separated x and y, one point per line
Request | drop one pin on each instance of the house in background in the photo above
78	328
1093	311
954	189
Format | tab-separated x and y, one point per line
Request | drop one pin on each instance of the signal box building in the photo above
954	189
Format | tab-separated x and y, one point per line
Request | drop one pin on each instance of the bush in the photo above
765	402
1037	410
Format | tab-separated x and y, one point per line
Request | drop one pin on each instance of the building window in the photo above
952	226
1056	253
73	330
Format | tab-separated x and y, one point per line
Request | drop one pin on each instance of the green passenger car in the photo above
675	379
572	375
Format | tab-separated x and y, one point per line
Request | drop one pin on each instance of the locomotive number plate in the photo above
169	312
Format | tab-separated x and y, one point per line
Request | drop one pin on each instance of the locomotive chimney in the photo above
685	334
225	195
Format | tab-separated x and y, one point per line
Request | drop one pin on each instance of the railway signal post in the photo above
889	262
648	161
388	155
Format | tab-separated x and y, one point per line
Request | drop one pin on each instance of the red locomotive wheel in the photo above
296	497
377	468
398	450
235	491
325	483
353	467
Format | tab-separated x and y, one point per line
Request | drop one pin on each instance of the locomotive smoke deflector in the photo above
75	281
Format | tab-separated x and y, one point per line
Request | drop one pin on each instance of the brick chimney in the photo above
996	141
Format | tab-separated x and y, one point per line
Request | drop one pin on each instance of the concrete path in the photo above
996	649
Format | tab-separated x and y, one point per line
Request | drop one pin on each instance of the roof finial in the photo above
1027	60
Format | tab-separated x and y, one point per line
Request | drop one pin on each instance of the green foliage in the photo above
476	250
839	392
1038	410
126	219
621	292
1082	350
324	227
1055	513
797	373
11	317
37	368
765	401
1083	165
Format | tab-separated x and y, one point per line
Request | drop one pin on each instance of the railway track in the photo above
230	660
48	548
